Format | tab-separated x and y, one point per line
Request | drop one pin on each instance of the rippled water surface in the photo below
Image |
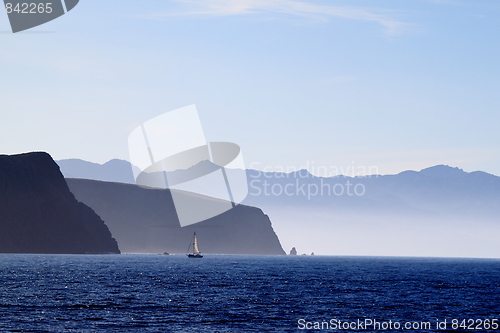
151	293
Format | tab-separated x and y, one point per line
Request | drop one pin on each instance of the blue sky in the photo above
393	84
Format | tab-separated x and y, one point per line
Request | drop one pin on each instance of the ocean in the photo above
234	293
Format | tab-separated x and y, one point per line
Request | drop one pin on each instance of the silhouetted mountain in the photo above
115	170
145	221
439	190
38	213
443	171
120	171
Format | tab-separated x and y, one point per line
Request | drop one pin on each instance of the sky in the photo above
395	85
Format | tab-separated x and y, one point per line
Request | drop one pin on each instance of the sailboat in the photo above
196	252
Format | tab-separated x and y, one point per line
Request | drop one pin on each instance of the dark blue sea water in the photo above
151	293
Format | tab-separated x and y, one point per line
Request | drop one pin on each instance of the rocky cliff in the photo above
144	221
38	213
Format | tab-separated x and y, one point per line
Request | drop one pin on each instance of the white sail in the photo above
195	246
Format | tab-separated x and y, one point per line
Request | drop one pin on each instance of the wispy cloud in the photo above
289	7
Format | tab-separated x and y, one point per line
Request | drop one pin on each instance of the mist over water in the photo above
320	231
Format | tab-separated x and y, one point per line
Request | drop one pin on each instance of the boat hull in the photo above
195	256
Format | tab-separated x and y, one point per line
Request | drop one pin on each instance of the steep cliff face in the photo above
145	221
38	213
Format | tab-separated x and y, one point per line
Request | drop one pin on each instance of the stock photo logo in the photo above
26	14
205	178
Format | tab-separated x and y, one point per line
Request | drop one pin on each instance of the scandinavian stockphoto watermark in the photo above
291	181
26	14
373	325
205	178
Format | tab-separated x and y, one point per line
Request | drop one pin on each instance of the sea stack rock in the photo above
39	214
293	251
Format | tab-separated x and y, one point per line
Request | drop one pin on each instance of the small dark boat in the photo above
196	252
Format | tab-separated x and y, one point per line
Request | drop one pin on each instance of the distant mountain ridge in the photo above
120	171
439	189
443	171
115	170
437	211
